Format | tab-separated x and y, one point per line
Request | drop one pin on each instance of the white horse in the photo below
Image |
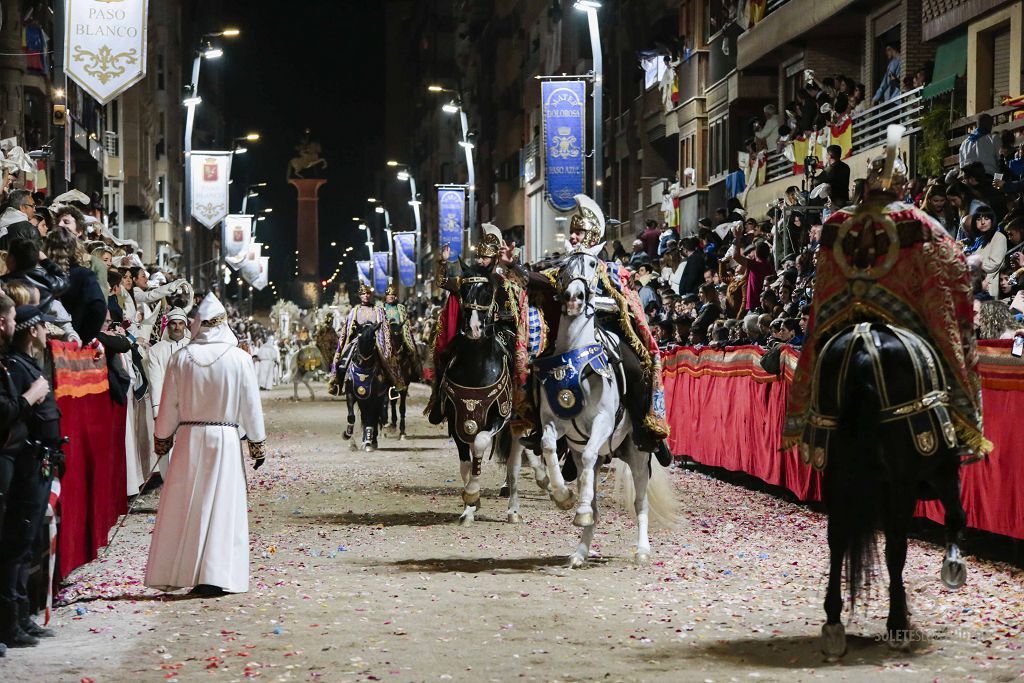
294	373
580	402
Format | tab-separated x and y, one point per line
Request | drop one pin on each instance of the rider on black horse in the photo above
367	312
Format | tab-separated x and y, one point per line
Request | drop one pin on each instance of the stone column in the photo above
307	242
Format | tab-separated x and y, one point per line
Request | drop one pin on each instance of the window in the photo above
792	80
161	73
718	145
1000	67
161	202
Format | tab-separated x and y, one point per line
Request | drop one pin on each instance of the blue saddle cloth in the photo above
362	380
560	376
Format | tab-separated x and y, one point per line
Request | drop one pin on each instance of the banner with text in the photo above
211	172
105	45
405	252
381	270
564	110
363	270
236	235
451	211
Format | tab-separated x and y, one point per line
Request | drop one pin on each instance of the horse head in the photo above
578	281
477	290
366	340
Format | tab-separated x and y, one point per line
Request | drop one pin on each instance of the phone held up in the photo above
1018	347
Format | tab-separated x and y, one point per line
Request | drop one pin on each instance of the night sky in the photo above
314	64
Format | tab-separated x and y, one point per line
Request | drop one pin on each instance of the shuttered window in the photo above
1000	66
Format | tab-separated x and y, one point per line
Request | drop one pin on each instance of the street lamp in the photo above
406	176
455	107
591	7
192	100
251	192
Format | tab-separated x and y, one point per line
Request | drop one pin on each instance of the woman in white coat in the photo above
986	248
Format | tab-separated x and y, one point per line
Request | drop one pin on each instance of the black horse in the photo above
881	428
477	386
409	366
366	382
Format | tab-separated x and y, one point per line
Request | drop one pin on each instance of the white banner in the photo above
264	275
250	268
236	235
211	172
105	45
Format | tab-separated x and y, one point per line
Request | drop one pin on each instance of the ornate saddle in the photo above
926	416
561	375
473	404
362	380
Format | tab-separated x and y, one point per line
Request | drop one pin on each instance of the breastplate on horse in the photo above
363	314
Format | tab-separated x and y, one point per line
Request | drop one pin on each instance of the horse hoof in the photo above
575	561
642	559
402	436
954	569
471	499
347	434
466	520
900	641
583	519
566	503
833	641
544	484
514	518
369	448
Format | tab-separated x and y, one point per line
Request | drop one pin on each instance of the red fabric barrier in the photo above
725	411
94	484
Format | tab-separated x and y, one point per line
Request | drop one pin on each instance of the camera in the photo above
811	163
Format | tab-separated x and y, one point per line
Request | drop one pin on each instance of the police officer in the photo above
30	456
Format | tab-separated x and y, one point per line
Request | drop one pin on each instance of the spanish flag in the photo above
842	135
756	11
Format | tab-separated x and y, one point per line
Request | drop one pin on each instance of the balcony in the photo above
1003	121
785	21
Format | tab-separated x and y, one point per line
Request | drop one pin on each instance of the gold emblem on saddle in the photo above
560	372
470	403
362	377
925	442
470	427
361	391
566	399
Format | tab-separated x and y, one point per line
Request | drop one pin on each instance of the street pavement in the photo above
360	573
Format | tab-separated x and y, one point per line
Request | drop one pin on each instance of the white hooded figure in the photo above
175	336
210	401
268	358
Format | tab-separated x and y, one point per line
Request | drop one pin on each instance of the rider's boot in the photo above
531	440
435	406
637	398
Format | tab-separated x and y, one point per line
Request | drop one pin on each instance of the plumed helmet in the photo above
589	219
888	173
492	242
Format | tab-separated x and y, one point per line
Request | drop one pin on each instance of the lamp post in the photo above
251	191
192	99
591	7
405	176
455	107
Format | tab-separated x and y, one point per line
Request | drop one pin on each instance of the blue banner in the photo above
363	269
405	252
451	211
381	270
564	108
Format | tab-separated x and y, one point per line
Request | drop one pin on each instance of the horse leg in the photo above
560	493
639	467
471	492
954	569
582	552
350	402
309	385
586	464
513	464
394	412
401	414
540	475
833	633
900	508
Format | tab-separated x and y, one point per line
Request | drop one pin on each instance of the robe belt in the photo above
196	423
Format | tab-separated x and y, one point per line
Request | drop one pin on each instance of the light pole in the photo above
591	7
405	176
455	107
251	191
192	99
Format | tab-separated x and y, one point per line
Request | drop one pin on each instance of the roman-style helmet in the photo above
492	242
590	219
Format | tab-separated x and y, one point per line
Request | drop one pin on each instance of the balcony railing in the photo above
777	167
869	127
773	5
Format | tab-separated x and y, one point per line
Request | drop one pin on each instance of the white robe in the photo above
136	475
267	360
202	526
156	366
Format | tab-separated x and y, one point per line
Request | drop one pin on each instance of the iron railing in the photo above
869	127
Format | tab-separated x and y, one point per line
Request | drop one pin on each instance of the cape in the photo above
914	276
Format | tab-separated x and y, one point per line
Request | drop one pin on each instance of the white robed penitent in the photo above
202	525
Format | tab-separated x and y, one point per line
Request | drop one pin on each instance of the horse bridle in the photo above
572	271
486	311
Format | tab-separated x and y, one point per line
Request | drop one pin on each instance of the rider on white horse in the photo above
620	312
366	312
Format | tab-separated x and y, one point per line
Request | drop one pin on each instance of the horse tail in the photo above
853	494
503	445
662	505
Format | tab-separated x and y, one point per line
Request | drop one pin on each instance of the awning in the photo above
950	62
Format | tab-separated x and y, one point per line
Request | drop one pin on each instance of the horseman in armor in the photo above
619	311
398	317
510	321
875	263
366	312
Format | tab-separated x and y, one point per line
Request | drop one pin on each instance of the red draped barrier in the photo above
726	411
93	488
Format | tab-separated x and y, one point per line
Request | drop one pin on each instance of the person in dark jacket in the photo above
709	310
24	263
693	271
84	299
837	175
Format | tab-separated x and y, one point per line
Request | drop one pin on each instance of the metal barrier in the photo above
869	127
777	166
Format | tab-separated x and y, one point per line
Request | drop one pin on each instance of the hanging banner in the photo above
363	269
236	235
211	172
405	252
264	273
381	270
105	45
451	211
250	266
564	109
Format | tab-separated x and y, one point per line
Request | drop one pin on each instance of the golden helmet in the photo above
391	290
589	219
491	244
365	289
888	173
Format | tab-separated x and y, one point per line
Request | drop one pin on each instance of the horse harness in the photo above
926	416
473	404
